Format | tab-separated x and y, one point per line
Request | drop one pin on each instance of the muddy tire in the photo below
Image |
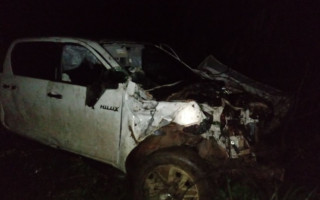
175	173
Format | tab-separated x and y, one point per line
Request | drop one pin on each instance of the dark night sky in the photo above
271	41
274	41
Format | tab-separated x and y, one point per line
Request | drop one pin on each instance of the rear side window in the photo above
36	59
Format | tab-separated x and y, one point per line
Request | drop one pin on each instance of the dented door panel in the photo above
26	108
91	131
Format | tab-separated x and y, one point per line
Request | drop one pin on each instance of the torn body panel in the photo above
233	114
222	113
215	131
144	117
235	82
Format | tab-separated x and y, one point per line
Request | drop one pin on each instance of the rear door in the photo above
26	108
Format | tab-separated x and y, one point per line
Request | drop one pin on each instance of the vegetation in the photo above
29	170
241	191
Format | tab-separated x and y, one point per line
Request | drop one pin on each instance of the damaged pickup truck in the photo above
137	107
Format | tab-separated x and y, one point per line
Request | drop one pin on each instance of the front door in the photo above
90	129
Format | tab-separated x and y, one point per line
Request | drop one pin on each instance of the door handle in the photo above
6	86
54	95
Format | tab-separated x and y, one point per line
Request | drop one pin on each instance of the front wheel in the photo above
175	174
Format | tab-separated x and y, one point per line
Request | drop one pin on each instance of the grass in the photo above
29	170
243	191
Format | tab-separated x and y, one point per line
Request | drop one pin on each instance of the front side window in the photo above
79	66
36	59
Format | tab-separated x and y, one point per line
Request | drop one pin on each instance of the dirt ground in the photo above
29	170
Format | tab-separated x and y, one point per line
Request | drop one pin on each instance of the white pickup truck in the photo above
137	107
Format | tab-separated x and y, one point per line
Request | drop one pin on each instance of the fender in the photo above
173	136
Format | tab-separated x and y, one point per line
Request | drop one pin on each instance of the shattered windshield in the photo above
148	65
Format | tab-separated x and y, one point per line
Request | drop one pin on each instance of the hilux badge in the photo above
113	108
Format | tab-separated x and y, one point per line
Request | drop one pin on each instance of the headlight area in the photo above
212	130
189	115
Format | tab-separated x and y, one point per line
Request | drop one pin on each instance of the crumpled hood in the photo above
212	69
182	113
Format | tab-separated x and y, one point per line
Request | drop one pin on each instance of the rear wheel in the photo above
177	174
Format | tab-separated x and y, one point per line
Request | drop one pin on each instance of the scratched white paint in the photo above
119	121
101	133
66	123
145	116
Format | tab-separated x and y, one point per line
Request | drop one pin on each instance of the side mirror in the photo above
109	80
113	76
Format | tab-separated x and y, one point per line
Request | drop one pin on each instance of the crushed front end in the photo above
213	109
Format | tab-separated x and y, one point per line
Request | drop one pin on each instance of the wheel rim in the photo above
169	182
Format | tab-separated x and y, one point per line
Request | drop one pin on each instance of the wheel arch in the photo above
171	139
151	147
183	158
